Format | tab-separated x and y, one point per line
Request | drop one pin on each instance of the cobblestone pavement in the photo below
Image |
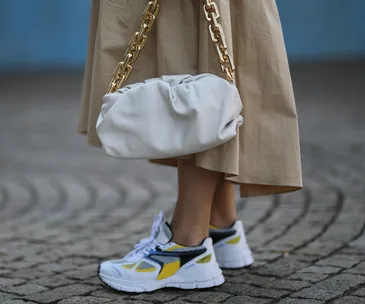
64	207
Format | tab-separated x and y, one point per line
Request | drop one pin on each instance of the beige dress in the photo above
265	157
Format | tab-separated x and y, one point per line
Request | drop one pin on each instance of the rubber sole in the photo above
245	261
155	285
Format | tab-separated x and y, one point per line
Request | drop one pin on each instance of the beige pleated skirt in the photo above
265	157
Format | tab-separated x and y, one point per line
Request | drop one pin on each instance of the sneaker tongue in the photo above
163	234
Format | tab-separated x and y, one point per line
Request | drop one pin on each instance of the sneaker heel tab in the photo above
237	224
207	242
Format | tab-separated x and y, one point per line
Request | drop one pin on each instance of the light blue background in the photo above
36	34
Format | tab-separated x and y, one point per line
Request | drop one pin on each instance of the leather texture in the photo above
169	116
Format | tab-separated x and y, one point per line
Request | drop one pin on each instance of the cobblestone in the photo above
54	281
30	274
65	207
85	300
25	289
162	296
360	293
342	261
6	296
310	277
331	288
110	294
13	302
321	270
246	300
59	293
207	297
248	290
10	282
359	269
288	285
299	301
350	300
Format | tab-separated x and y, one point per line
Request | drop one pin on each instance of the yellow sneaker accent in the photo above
168	270
234	241
206	259
175	247
128	266
213	227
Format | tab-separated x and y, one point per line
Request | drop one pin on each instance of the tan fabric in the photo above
265	157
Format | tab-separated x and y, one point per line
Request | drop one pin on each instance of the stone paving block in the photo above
110	294
304	258
350	300
247	290
161	295
5	296
57	267
360	292
60	293
331	288
54	281
30	274
353	251
359	243
22	265
82	273
14	302
291	285
359	269
4	271
128	302
10	282
310	277
342	261
251	279
299	301
78	261
85	300
236	272
95	281
25	289
245	300
207	297
321	270
281	268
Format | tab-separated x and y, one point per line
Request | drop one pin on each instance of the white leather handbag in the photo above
170	116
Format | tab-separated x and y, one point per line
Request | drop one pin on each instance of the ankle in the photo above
222	222
188	238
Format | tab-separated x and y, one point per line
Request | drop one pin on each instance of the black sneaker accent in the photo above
218	235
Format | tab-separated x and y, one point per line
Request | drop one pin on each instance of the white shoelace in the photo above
144	246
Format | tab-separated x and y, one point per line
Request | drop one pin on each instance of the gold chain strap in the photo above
124	68
219	39
136	44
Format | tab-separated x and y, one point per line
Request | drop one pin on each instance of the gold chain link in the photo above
219	39
124	68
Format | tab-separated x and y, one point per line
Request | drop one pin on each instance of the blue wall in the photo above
323	29
53	33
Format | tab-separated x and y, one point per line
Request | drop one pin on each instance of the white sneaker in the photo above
157	262
230	246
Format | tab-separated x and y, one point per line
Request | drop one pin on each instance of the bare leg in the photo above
192	213
223	212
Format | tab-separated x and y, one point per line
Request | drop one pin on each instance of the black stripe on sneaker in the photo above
184	256
218	235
